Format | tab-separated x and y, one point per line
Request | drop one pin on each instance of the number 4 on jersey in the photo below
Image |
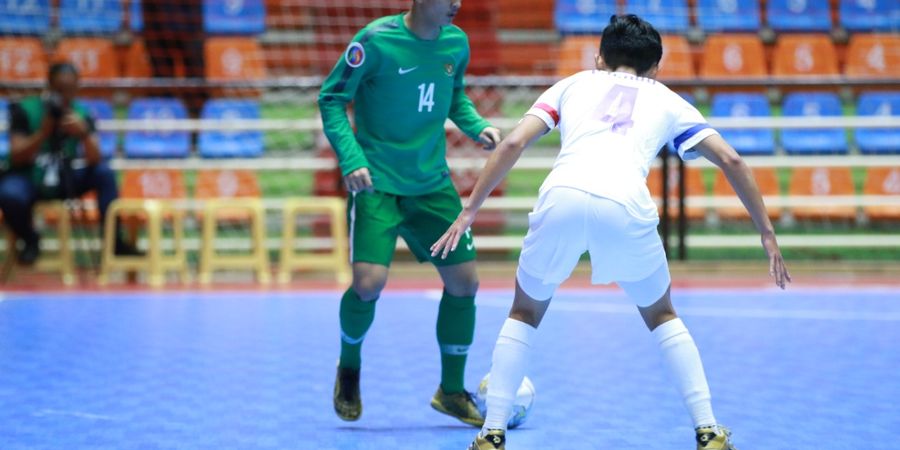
617	107
426	96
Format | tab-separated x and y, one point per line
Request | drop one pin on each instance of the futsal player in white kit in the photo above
613	121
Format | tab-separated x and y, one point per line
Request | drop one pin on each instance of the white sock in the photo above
683	362
507	371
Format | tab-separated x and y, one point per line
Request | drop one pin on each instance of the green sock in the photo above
356	317
455	329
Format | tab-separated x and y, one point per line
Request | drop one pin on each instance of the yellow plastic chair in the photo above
232	195
63	261
337	259
155	263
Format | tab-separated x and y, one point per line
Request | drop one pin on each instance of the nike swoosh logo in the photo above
403	71
470	246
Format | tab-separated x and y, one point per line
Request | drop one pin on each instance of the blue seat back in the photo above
869	15
234	16
4	135
583	16
101	110
225	144
745	141
30	17
799	15
667	16
136	21
157	144
728	15
878	140
817	140
94	16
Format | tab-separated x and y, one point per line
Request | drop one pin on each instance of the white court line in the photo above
77	414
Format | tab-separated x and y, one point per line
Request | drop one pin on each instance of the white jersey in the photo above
613	125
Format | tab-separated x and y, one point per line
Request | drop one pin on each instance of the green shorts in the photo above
377	218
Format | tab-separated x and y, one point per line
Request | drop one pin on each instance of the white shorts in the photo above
567	222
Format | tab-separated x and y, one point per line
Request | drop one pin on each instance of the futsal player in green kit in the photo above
404	75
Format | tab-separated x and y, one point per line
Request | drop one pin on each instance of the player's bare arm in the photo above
715	149
496	168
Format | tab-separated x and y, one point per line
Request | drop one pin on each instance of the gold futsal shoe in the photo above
492	440
709	439
459	404
347	401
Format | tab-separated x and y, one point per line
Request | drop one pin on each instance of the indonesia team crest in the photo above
448	68
355	55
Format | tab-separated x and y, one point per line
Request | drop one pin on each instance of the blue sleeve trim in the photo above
689	134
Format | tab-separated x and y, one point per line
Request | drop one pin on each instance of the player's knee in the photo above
464	288
368	287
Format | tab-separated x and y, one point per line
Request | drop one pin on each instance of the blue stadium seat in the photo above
4	136
102	110
869	15
223	144
746	142
799	15
689	97
728	15
93	17
157	144
667	16
878	140
234	17
25	17
583	16
137	16
813	141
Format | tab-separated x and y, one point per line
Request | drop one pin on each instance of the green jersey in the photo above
403	90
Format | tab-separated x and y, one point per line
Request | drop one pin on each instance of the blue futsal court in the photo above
800	369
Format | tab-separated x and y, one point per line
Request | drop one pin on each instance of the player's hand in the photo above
448	242
489	138
777	268
359	180
73	125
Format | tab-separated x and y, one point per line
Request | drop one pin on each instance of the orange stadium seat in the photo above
95	58
882	181
733	56
22	58
822	182
694	187
676	61
804	55
136	61
529	58
873	55
577	53
525	14
234	59
767	180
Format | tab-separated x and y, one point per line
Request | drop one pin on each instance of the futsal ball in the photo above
521	406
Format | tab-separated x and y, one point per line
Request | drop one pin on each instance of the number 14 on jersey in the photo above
426	96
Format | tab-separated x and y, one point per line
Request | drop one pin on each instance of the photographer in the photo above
44	135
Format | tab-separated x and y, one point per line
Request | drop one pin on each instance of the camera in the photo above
55	105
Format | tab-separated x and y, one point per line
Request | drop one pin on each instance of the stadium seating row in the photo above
249	144
722	56
34	17
673	16
745	56
23	58
813	182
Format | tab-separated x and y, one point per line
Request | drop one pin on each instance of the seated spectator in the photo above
45	133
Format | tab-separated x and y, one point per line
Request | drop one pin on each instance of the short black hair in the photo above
61	67
630	41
